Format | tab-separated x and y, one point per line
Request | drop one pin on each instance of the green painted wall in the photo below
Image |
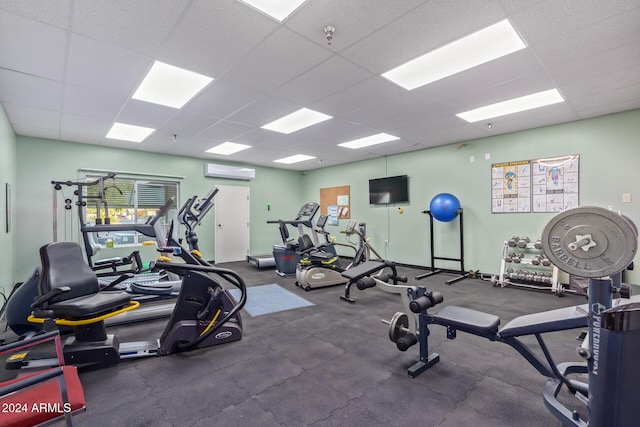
608	148
7	176
41	160
609	151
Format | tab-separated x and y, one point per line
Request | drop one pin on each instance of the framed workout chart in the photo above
540	185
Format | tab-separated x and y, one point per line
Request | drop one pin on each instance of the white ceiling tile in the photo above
280	58
372	15
187	124
54	13
214	35
267	139
226	130
320	82
118	22
37	132
566	65
371	91
221	99
550	19
106	67
21	115
263	110
602	83
610	97
605	109
432	25
145	114
20	88
82	125
32	47
92	102
263	70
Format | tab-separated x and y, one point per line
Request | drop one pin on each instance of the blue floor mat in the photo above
265	299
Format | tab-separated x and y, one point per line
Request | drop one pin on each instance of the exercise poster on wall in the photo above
540	185
511	187
556	183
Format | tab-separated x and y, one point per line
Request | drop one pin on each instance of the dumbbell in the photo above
522	243
536	260
513	257
513	242
538	244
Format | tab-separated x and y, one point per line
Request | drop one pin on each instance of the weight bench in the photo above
486	325
363	275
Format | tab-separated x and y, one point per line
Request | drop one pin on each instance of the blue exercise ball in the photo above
444	207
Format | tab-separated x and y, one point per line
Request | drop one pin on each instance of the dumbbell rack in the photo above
537	276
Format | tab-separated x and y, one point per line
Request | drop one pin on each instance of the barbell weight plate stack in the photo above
590	241
398	326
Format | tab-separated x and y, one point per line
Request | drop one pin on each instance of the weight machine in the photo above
587	241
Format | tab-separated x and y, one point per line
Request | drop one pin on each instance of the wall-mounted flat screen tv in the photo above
393	189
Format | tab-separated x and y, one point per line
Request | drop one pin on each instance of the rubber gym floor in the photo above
332	364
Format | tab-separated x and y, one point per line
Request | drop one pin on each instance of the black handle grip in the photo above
426	301
406	341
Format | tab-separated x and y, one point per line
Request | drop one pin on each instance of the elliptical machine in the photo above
204	315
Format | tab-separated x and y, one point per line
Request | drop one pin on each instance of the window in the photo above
128	201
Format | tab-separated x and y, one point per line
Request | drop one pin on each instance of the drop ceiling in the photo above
68	69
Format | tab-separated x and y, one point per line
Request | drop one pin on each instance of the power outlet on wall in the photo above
626	197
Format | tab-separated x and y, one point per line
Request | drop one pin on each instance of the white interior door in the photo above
232	224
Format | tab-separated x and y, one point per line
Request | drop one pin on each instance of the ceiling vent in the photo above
229	172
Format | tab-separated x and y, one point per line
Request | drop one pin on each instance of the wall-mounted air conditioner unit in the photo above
229	172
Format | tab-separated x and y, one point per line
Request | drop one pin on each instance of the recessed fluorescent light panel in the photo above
483	46
369	140
227	148
126	132
297	120
277	9
515	105
170	86
294	159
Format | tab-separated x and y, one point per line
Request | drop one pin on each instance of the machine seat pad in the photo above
547	321
362	270
467	320
321	256
90	305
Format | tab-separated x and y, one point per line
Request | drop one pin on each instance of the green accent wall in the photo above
42	160
608	146
609	149
7	176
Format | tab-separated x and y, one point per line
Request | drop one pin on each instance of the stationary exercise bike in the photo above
320	267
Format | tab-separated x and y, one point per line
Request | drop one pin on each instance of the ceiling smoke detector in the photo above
328	31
